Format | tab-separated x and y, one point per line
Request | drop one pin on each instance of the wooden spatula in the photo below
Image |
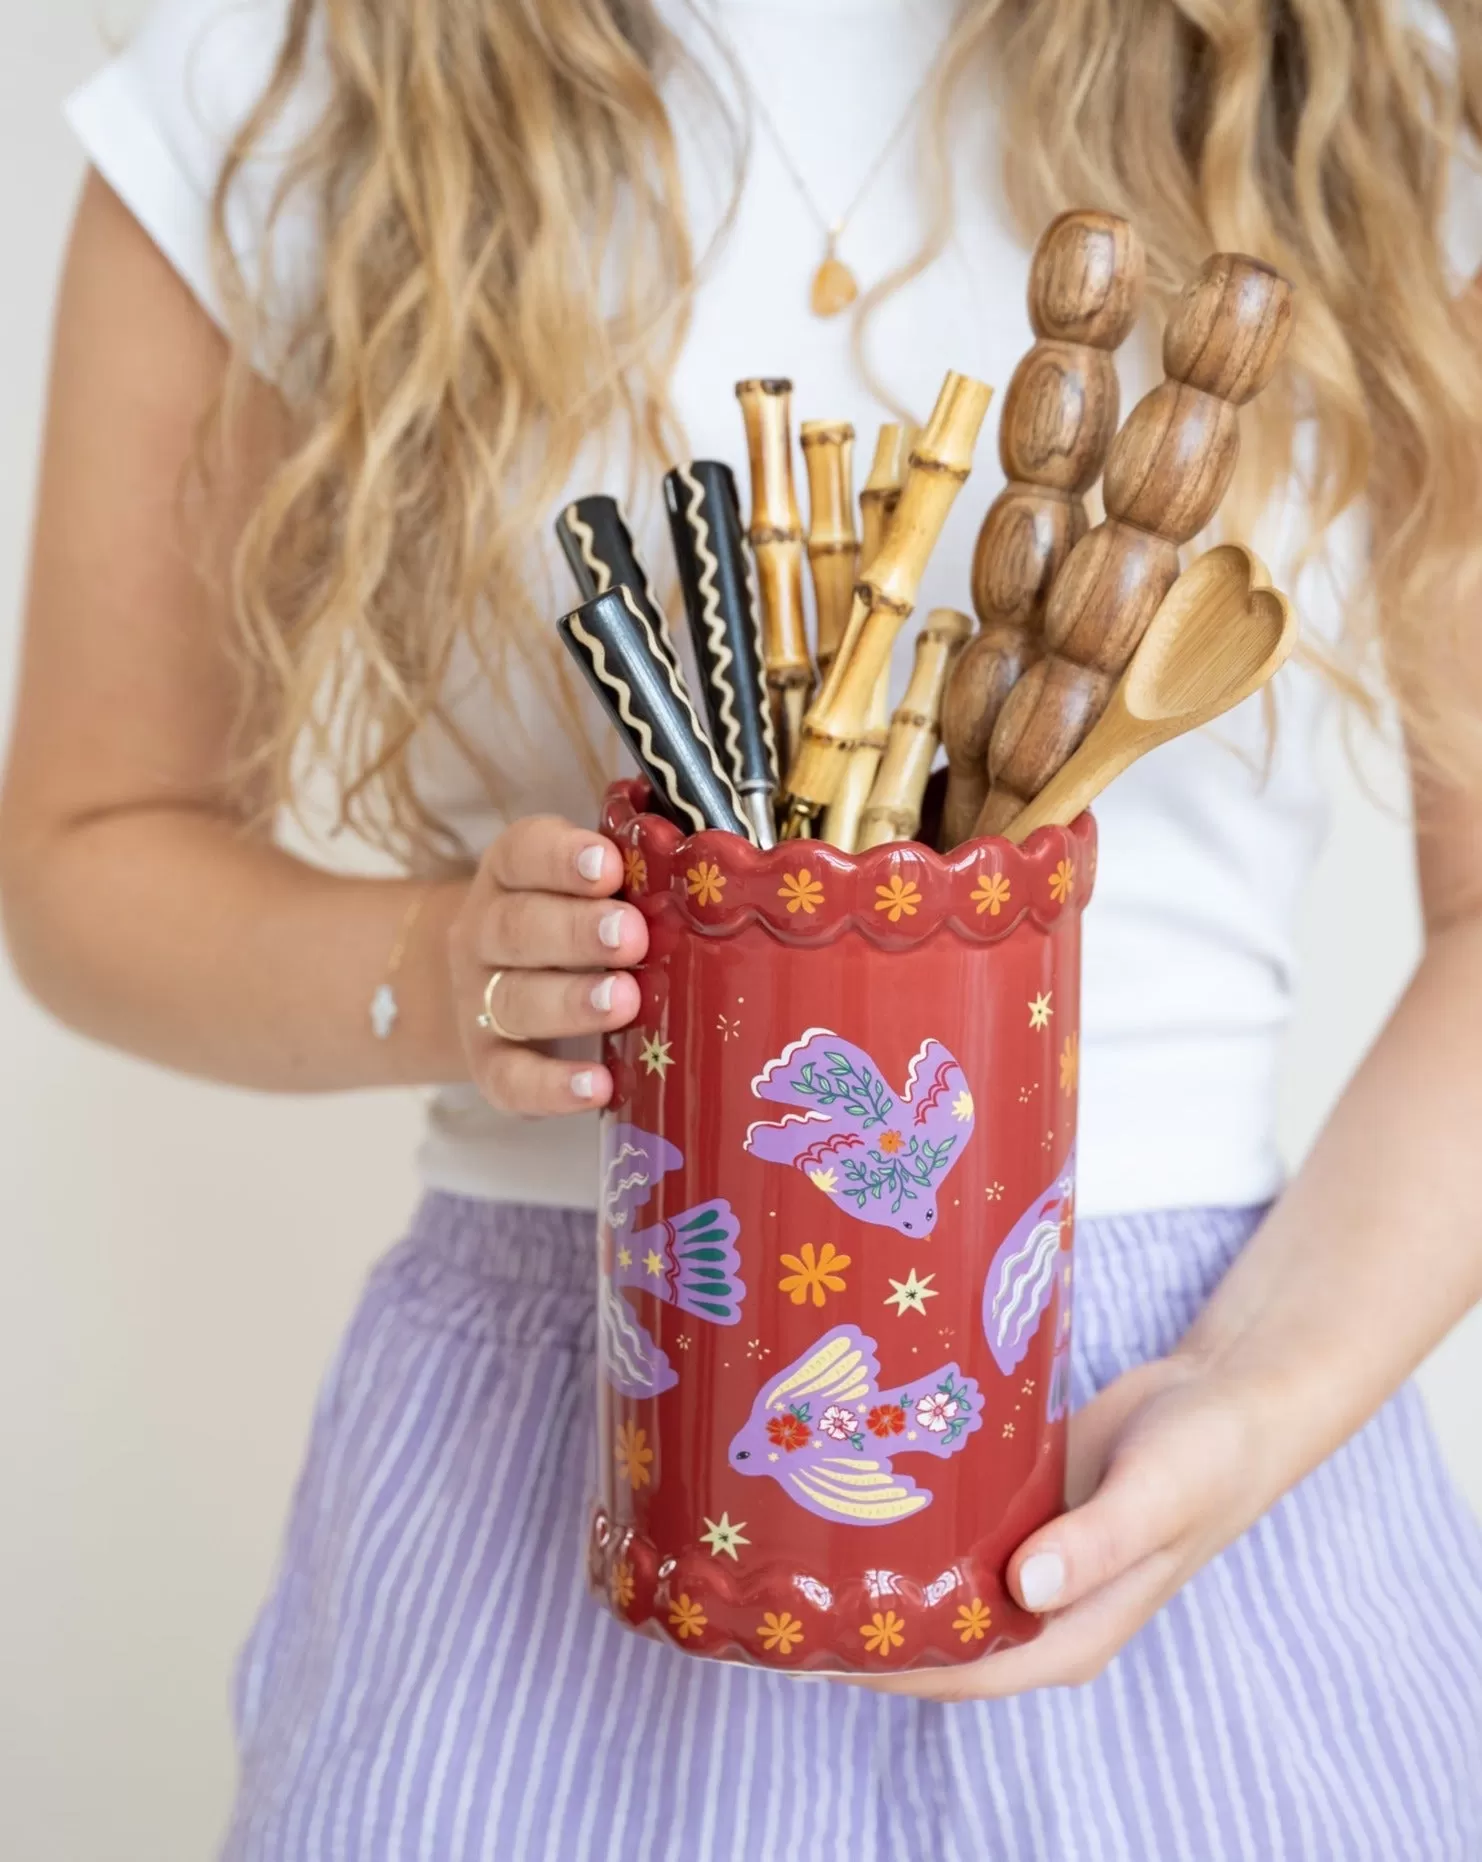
1219	634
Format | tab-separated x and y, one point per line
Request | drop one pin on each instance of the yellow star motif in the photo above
625	1257
653	1265
911	1294
656	1056
1040	1010
962	1106
724	1537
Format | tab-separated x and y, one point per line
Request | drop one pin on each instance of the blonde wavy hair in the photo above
505	270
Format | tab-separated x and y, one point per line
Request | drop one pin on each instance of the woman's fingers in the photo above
547	1005
543	853
529	930
515	1078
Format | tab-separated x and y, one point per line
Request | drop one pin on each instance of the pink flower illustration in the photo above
935	1412
838	1422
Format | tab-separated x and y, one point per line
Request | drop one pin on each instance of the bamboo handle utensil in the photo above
613	643
776	533
710	550
1219	635
833	543
598	544
894	810
1059	416
939	464
1167	471
877	502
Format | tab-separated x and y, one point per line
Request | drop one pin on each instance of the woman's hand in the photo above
541	912
1167	1466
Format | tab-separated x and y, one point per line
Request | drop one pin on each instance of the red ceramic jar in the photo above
835	1243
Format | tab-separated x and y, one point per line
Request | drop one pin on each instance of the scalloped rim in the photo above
724	1594
807	892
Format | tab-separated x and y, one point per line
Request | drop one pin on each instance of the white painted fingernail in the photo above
602	995
611	929
589	862
584	1085
1041	1580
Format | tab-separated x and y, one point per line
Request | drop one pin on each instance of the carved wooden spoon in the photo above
1219	634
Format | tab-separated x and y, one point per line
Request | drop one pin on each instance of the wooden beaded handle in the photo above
877	502
776	533
1059	416
940	462
894	811
1167	471
833	542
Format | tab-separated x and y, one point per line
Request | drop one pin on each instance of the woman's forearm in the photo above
1374	1251
167	933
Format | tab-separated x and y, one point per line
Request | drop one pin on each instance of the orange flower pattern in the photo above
816	1273
883	1633
972	1620
779	1631
705	883
635	870
789	1431
802	891
1070	1063
622	1585
900	896
633	1454
686	1618
891	1142
1062	882
886	1419
991	893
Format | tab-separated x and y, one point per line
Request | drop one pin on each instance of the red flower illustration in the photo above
886	1419
789	1431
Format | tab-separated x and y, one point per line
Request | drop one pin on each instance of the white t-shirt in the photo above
1188	967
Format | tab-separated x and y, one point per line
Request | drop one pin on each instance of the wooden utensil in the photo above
939	464
877	502
1167	471
1059	416
833	543
598	544
613	643
715	576
776	533
894	809
1219	635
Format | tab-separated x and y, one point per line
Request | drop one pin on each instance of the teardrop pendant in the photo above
834	286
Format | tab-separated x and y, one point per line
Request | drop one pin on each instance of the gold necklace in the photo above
834	286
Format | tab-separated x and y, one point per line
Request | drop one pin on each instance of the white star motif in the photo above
962	1106
1040	1010
911	1294
724	1537
656	1056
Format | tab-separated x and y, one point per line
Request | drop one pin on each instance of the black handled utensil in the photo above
613	643
720	601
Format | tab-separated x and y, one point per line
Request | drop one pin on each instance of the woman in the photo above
434	266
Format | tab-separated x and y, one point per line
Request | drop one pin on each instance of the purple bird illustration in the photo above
689	1261
1030	1270
827	1433
877	1156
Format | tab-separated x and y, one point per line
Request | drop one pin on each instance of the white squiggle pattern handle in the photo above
722	657
618	686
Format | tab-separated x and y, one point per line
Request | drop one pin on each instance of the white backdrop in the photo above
178	1260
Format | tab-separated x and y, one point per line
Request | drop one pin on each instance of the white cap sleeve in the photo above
157	123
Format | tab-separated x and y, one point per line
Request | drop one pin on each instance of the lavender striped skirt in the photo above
430	1681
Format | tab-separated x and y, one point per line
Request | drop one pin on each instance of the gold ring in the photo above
487	1020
